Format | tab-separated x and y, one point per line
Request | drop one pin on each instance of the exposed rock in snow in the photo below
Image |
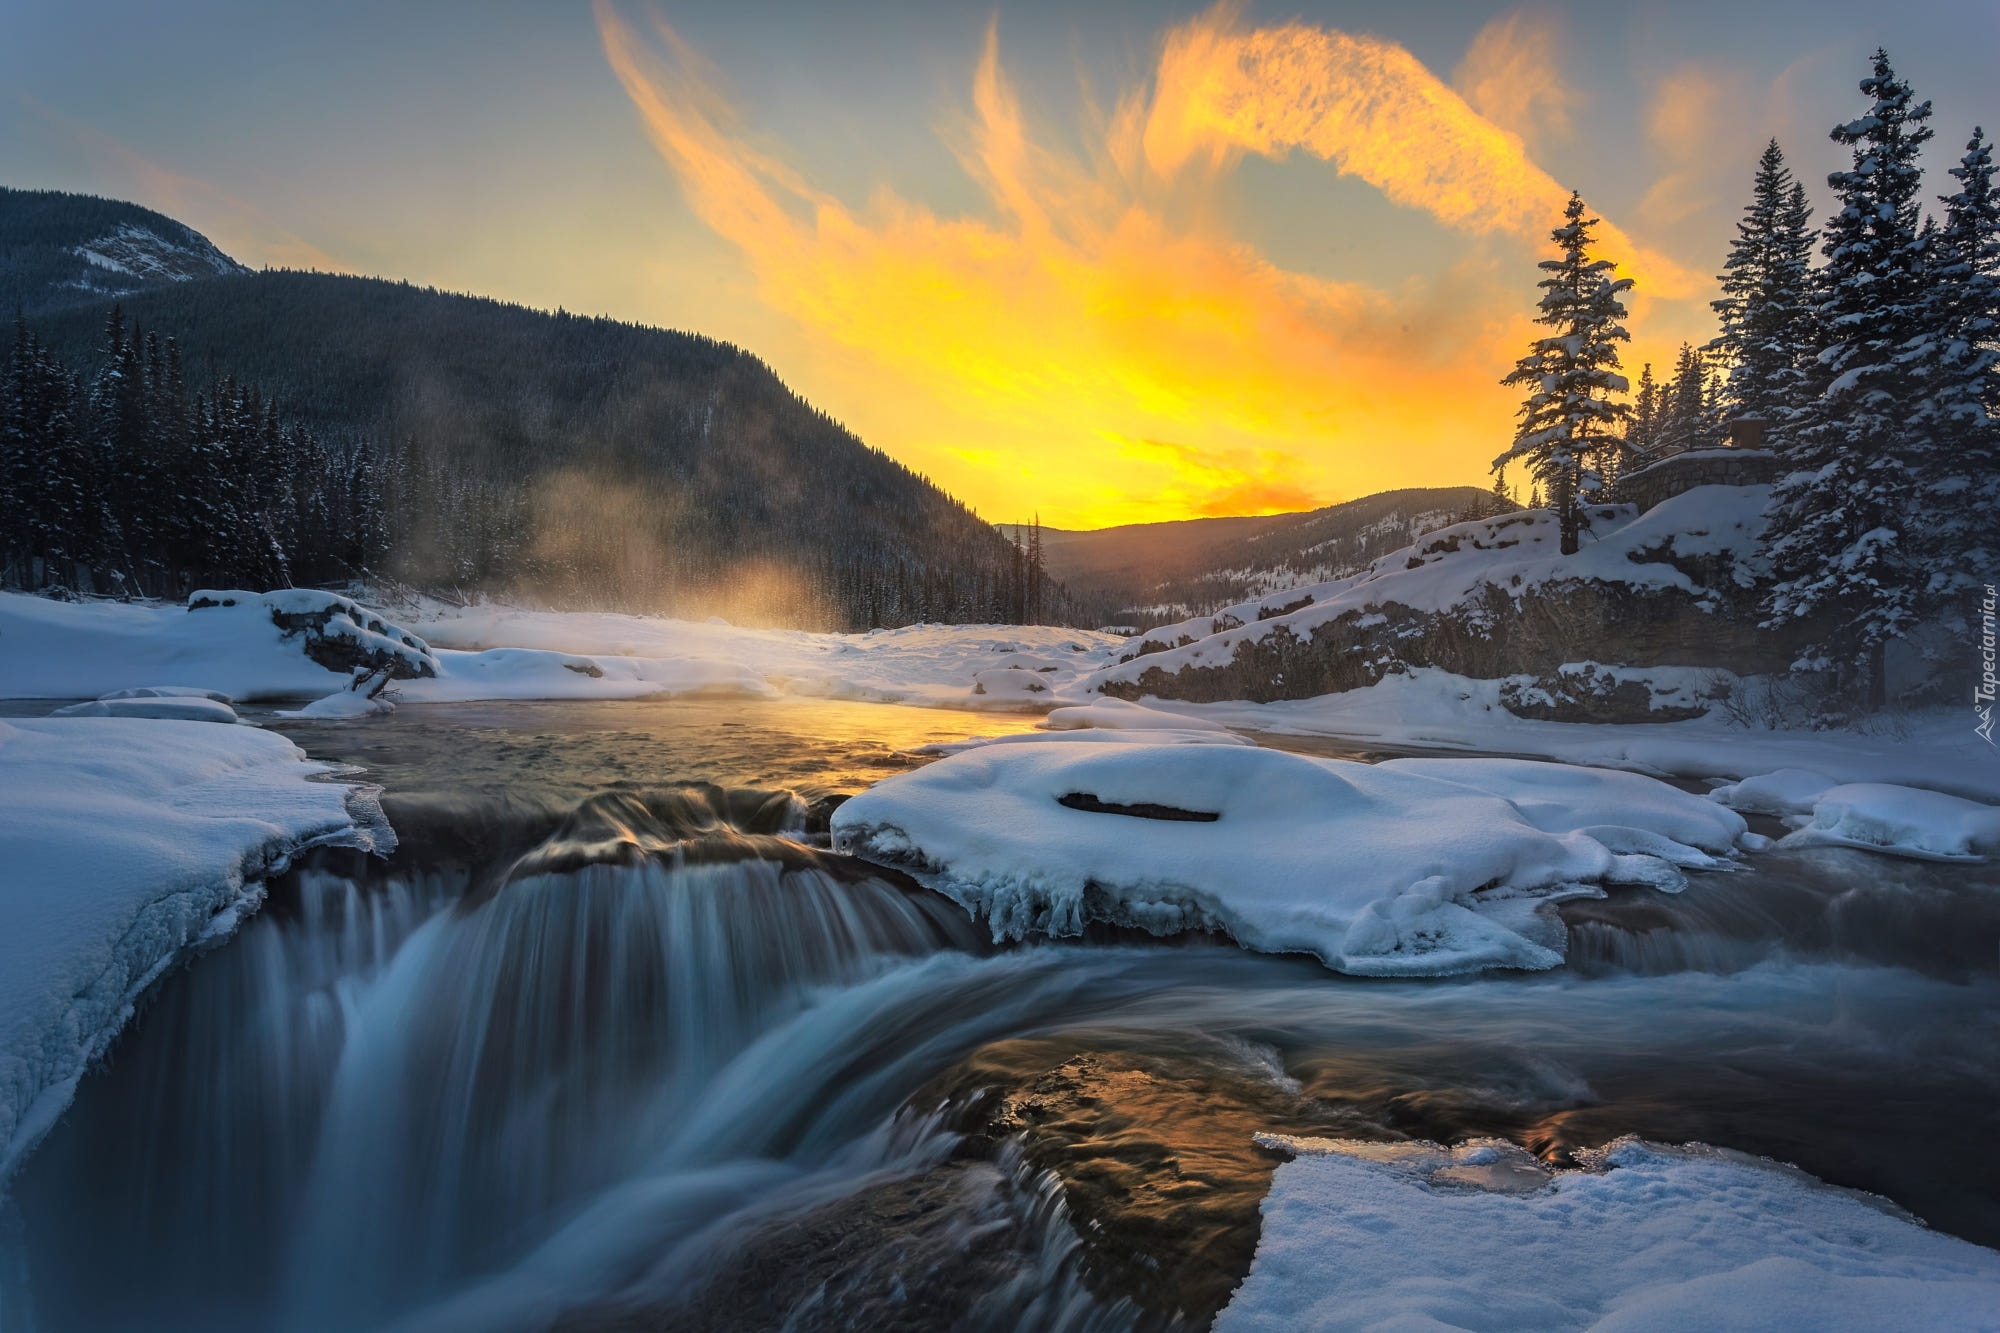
334	631
133	251
125	845
1493	598
1381	869
1410	1235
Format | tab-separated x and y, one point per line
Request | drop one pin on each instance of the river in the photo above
604	1048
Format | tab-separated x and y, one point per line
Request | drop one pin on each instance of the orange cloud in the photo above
1036	359
1510	75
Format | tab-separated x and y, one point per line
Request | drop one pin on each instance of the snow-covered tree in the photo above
1841	552
1957	357
1767	303
1570	416
1684	420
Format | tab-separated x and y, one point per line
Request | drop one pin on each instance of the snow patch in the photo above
1409	1235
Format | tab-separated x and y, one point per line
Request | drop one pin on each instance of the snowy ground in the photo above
125	844
1371	1235
59	650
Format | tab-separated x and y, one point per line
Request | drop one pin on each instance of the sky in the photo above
1108	263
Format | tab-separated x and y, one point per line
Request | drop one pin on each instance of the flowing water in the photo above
614	1043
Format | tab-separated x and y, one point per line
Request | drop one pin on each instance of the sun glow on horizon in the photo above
1099	348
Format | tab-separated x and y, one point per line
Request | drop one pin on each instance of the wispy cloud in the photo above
243	230
1512	75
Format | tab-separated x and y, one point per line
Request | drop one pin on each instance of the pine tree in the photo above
1766	306
1958	364
1569	416
1684	406
1642	429
1840	552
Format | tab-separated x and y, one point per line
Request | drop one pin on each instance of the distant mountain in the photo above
583	460
1147	574
72	249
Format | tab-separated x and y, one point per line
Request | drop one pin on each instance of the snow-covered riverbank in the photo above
125	845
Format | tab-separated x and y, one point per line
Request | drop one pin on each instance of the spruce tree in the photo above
1766	304
1569	416
1642	428
1684	406
1958	364
1841	554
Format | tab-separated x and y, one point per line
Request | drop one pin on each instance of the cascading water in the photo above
653	1060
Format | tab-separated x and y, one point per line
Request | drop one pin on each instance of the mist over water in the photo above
654	1060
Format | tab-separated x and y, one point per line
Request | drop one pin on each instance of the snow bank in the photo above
1364	1235
126	843
1375	869
1121	715
1429	708
1144	736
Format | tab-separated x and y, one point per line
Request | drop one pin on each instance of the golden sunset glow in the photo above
1100	348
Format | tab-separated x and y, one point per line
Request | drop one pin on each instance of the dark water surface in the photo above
601	1052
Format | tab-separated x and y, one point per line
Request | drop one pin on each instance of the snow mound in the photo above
342	704
1614	807
168	692
126	844
1375	869
1367	1235
1118	713
182	708
1900	820
1788	791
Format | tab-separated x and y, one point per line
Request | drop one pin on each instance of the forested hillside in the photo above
1149	574
581	460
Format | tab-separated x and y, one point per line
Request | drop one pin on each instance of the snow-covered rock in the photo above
1787	791
1376	869
334	631
126	844
1370	1235
1879	816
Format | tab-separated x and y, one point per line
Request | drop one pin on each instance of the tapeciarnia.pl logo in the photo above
1982	694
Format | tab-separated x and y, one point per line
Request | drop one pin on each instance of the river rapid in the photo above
614	1043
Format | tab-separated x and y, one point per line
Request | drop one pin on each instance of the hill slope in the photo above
68	249
1152	573
584	460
